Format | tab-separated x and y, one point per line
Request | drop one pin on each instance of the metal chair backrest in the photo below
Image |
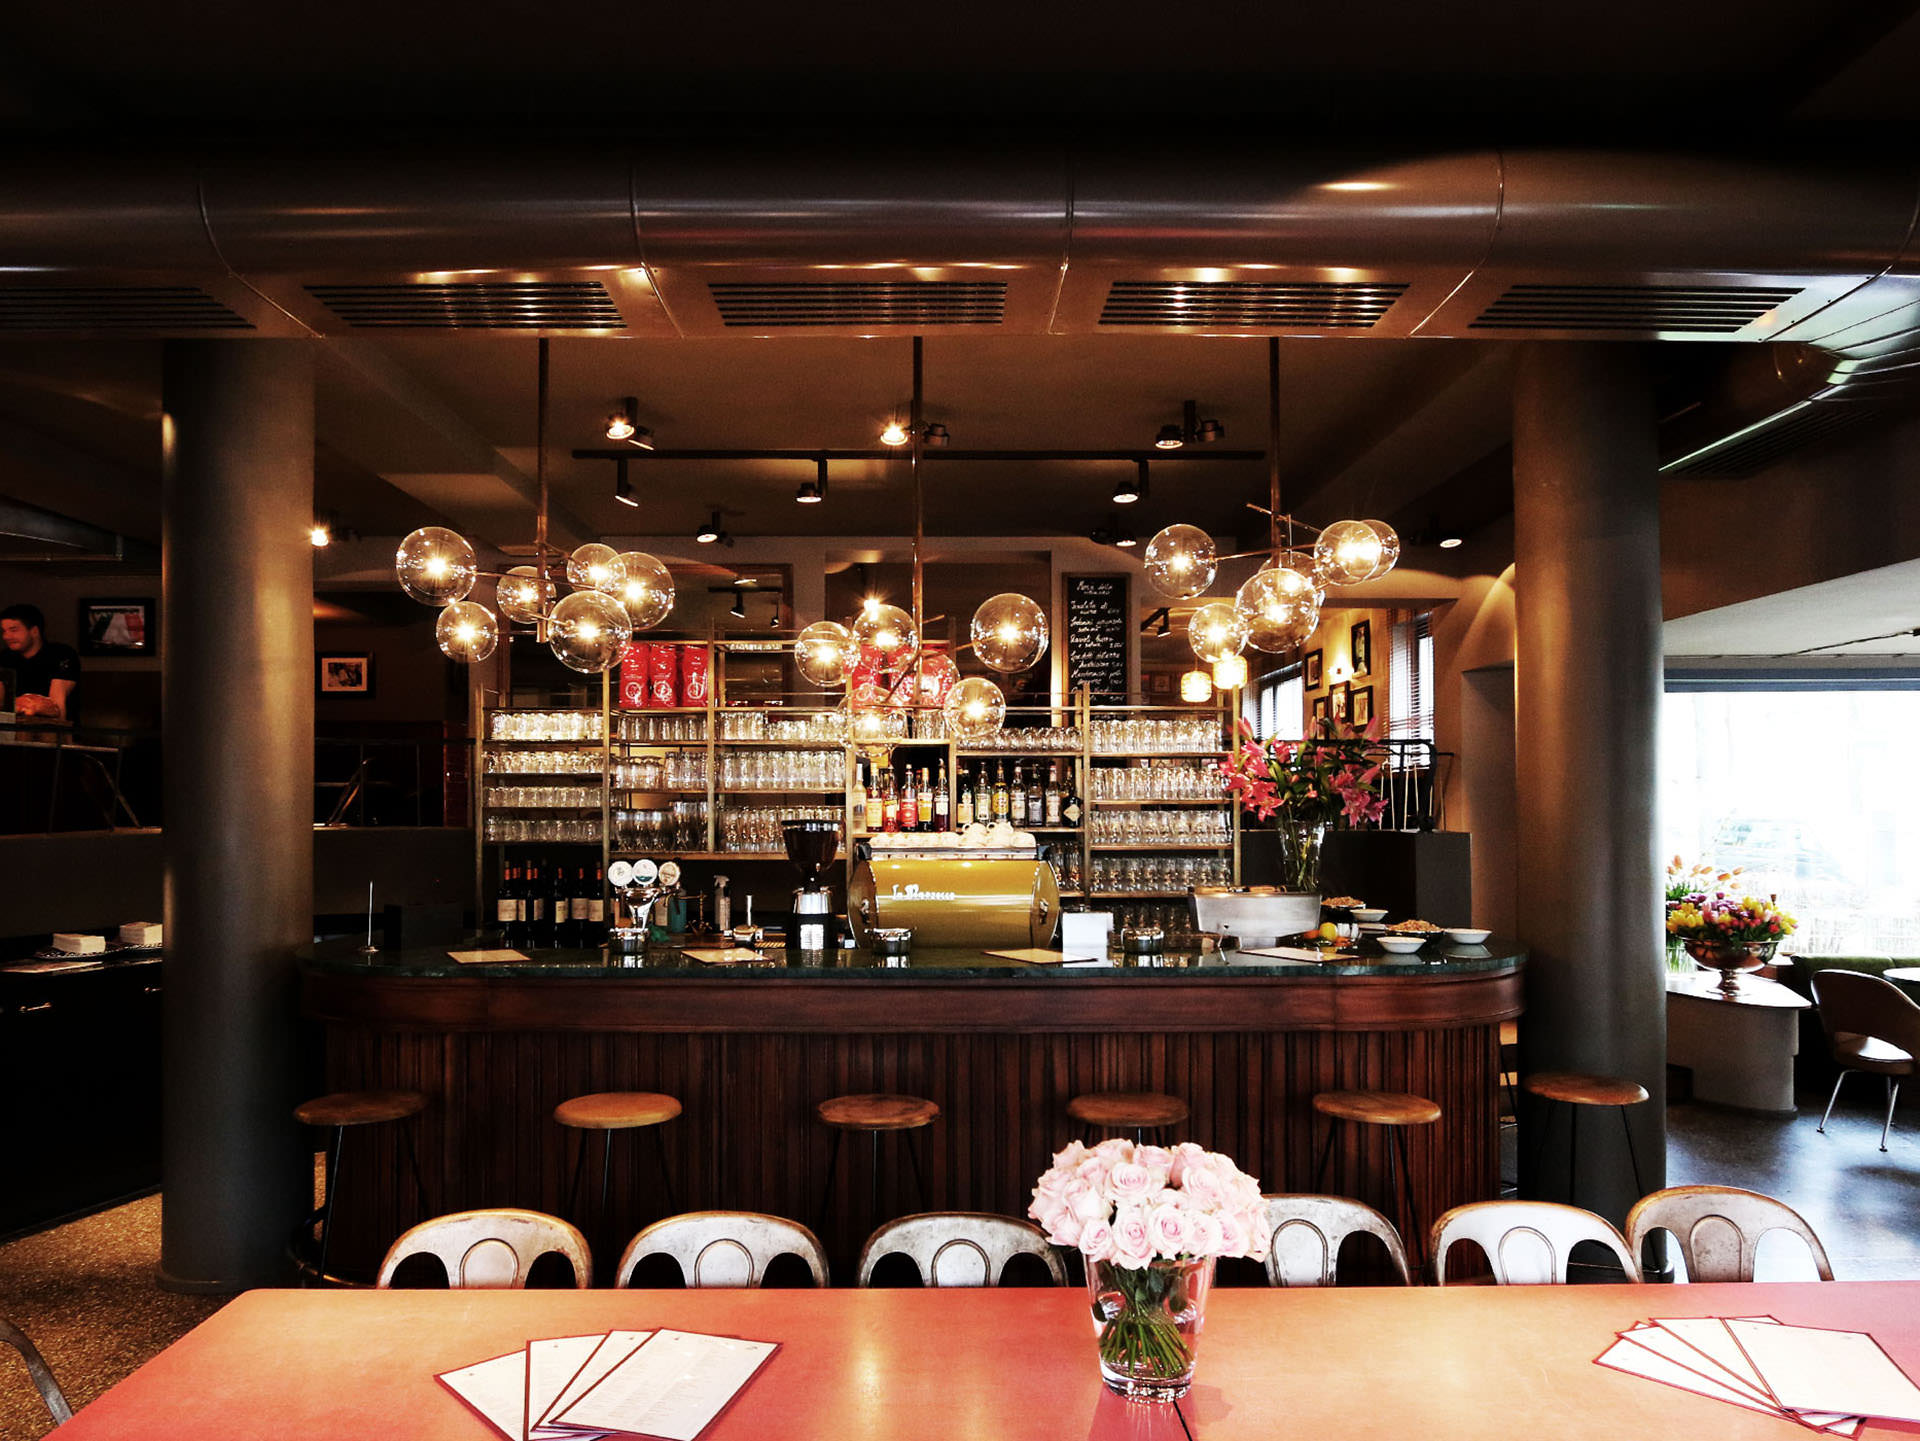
1527	1243
38	1372
724	1248
1853	1003
1718	1229
1308	1232
959	1248
491	1250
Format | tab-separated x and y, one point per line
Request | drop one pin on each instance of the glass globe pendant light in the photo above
1351	551
1009	632
467	631
435	565
825	652
1279	611
1230	672
1216	631
975	709
645	588
522	596
595	567
888	631
1196	685
938	675
588	631
1181	561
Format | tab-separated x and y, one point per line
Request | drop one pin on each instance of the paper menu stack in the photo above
1827	1380
666	1385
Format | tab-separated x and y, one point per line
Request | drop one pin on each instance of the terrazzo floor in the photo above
85	1293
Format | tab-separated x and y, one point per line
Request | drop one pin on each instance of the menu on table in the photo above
665	1385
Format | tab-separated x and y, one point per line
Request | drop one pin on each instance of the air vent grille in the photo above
1765	445
114	307
1636	309
780	304
481	305
1251	304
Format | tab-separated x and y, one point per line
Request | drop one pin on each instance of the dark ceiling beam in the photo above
44	527
40	470
938	453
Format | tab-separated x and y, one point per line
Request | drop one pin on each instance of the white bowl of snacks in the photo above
1400	945
1467	935
1369	915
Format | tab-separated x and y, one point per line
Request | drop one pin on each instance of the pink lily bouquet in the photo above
1334	775
1149	1222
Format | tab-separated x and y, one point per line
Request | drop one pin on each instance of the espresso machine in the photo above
811	846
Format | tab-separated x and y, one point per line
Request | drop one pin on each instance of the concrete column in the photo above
237	705
1588	677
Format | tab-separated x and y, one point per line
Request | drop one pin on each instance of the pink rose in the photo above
1256	1237
1132	1241
1064	1229
1131	1181
1096	1242
1184	1155
1086	1203
1202	1186
1167	1225
1203	1234
1154	1158
1233	1238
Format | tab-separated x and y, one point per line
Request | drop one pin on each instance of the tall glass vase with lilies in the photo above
1335	776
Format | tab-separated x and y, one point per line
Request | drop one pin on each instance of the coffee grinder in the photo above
811	846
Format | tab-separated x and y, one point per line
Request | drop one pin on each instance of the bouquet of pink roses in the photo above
1150	1222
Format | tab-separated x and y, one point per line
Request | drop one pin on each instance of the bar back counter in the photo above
1001	1046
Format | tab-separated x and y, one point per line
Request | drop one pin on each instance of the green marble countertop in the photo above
665	961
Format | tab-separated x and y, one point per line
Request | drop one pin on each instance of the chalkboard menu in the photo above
1097	621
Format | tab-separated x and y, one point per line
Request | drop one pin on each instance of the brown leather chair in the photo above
1872	1026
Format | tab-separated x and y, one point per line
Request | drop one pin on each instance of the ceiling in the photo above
1872	613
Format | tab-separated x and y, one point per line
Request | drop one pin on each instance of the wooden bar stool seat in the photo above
1584	1088
1395	1110
608	1112
1136	1111
874	1113
337	1111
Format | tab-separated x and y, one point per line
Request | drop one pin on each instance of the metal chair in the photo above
1873	1026
959	1248
1308	1232
723	1248
1527	1243
38	1372
491	1250
1718	1229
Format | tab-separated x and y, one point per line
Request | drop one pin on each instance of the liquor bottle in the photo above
1036	798
999	791
876	803
924	791
909	803
560	907
962	800
506	906
857	800
942	802
889	806
1070	807
539	926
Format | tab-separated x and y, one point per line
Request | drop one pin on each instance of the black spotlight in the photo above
739	611
622	487
711	531
812	492
1127	492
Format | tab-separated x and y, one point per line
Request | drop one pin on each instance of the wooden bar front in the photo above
748	1057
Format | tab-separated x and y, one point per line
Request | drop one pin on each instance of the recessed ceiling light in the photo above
1452	542
322	534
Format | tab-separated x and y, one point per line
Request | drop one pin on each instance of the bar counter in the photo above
749	1050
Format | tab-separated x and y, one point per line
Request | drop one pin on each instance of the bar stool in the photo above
1138	1111
1579	1088
337	1111
607	1112
874	1114
1396	1110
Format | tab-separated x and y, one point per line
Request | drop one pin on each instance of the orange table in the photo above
1476	1362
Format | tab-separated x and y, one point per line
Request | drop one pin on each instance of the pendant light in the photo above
588	632
825	653
436	566
645	589
1230	672
595	567
1216	631
975	709
1180	561
467	632
1009	632
1196	686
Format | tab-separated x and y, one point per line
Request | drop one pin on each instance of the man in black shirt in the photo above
45	672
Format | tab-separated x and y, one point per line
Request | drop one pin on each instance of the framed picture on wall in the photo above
346	674
1360	638
1337	700
118	626
1310	670
1360	706
1319	706
1159	683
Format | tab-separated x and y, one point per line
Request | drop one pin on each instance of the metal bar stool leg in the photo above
1399	1143
579	1172
666	1171
1540	1142
413	1161
873	1189
1827	1115
1893	1094
606	1177
333	1187
826	1193
919	1181
1326	1155
1639	1187
1573	1153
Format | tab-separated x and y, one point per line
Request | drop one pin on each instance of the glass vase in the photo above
1300	855
1148	1322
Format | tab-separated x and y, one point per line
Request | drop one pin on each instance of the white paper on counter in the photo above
551	1364
496	1389
671	1387
1299	954
613	1349
1808	1368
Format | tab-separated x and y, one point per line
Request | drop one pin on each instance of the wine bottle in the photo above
857	801
942	803
909	804
1051	801
876	803
539	930
560	907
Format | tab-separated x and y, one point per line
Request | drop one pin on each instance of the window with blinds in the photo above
1279	709
1410	678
